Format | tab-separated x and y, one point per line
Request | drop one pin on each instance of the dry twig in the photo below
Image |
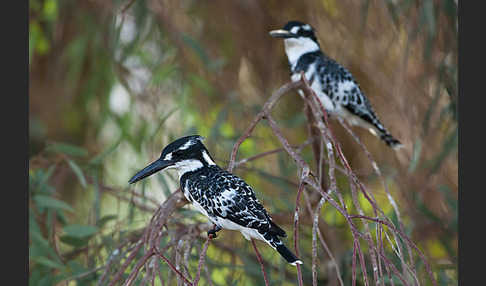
328	143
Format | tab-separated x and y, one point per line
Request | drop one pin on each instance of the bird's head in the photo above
185	154
299	38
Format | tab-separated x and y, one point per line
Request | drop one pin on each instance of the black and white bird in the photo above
224	198
335	86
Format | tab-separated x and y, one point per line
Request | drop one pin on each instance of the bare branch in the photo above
296	226
126	263
324	138
173	268
201	260
139	265
262	114
260	260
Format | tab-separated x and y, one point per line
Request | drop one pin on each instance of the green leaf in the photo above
50	202
99	158
67	149
162	73
73	241
105	219
197	48
75	268
80	231
38	180
201	84
39	244
61	218
45	176
50	10
79	173
417	150
162	121
449	146
47	262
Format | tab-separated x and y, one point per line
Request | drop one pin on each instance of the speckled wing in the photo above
228	197
246	210
343	90
230	203
340	93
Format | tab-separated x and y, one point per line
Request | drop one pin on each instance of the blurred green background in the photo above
113	82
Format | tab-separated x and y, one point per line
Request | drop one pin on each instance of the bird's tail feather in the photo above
391	141
272	239
372	123
277	230
288	255
379	130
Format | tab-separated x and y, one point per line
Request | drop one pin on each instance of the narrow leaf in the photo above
50	202
417	150
67	149
80	231
79	173
105	219
47	262
99	158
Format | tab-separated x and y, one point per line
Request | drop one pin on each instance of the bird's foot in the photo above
212	233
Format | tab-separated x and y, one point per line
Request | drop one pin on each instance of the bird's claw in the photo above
212	233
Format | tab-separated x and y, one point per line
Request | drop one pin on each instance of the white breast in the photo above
185	166
296	47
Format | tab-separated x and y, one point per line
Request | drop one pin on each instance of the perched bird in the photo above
335	86
224	198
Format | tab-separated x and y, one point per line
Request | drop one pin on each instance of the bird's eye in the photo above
177	153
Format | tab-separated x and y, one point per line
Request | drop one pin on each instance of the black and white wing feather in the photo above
230	203
225	196
341	94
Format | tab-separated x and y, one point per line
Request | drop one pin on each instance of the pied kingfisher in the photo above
224	198
339	93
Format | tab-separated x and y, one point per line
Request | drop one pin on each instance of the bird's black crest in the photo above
292	24
177	144
304	30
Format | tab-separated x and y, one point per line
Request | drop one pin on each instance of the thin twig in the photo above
139	265
422	256
82	275
270	152
353	264
126	263
201	260
352	175
389	196
314	240
154	232
262	114
127	5
173	268
260	260
321	239
296	227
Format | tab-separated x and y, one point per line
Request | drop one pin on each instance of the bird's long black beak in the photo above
151	169
281	34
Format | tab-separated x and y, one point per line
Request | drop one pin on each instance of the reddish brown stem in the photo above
201	260
173	268
139	265
353	265
262	114
125	265
296	230
260	260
